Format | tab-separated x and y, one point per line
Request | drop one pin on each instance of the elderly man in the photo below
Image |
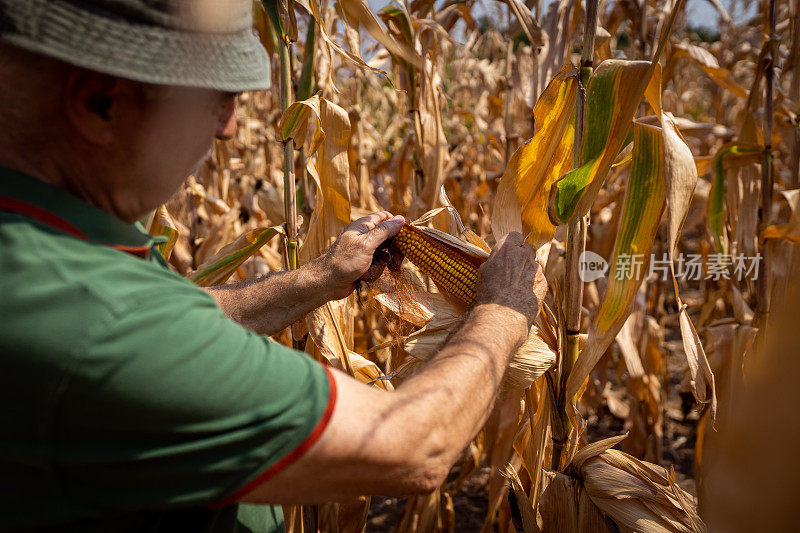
131	400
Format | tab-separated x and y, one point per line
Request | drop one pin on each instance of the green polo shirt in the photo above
129	401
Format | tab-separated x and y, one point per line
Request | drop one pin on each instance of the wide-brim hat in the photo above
193	43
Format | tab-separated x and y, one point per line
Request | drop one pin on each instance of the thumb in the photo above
384	230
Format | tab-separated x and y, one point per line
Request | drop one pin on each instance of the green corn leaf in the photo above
613	95
224	263
645	200
295	125
305	88
716	199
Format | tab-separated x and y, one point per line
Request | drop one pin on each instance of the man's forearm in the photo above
269	304
459	385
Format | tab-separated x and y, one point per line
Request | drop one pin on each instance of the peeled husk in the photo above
604	486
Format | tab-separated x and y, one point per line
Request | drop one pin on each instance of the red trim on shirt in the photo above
54	221
139	251
37	213
292	456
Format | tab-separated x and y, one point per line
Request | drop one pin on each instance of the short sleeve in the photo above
172	404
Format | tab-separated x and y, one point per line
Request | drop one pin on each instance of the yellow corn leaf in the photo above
788	232
703	163
641	213
602	44
162	225
613	94
522	195
224	263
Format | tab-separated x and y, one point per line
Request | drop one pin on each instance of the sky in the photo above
700	12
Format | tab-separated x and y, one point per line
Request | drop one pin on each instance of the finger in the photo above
515	237
540	285
511	238
384	230
369	222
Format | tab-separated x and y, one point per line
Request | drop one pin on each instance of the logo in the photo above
591	266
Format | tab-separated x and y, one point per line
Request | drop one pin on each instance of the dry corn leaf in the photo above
353	57
680	174
716	199
519	499
224	229
706	61
331	139
358	11
368	372
638	496
526	20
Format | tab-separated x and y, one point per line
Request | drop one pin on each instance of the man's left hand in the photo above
351	255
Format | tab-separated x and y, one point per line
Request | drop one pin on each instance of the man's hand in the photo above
512	279
437	411
351	255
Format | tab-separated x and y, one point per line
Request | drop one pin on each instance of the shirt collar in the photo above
93	223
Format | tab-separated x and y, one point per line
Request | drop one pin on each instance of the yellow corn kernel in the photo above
455	272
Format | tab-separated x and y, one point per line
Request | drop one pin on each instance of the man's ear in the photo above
90	99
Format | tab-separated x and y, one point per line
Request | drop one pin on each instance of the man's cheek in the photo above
208	154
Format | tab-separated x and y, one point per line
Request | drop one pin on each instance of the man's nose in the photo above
226	124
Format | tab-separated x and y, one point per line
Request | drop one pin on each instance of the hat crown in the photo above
194	43
205	16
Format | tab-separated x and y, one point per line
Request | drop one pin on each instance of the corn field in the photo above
651	159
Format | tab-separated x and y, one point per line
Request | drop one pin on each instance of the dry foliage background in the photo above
447	94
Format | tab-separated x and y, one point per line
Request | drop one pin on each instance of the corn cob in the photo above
454	271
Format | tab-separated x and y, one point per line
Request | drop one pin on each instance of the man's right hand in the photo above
512	279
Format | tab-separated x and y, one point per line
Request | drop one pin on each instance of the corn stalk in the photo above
764	283
305	89
576	241
507	111
282	15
